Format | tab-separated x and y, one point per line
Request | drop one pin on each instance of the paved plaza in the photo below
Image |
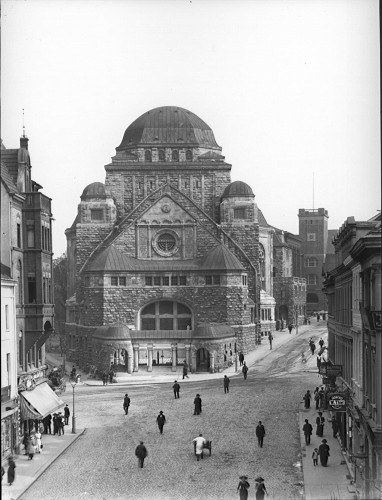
100	464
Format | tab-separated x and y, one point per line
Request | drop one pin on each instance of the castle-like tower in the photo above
313	230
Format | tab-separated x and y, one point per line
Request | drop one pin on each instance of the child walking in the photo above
315	456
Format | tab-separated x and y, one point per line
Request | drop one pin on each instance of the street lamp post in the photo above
73	383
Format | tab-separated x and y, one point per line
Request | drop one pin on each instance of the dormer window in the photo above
175	155
147	155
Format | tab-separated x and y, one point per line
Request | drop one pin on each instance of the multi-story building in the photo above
163	259
313	231
353	287
26	255
289	287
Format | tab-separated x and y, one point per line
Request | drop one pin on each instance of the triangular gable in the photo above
165	211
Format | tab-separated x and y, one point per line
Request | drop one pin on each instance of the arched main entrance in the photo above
202	360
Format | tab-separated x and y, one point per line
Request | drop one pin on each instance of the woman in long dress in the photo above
323	451
243	488
38	441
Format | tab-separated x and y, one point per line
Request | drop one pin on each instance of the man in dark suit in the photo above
176	389
260	433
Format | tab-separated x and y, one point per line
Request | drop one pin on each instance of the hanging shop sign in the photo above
376	320
337	402
334	371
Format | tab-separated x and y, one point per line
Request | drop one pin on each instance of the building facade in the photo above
26	260
163	258
353	288
313	231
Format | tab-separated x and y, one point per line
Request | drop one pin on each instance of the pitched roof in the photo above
7	179
111	259
213	330
220	258
10	158
261	219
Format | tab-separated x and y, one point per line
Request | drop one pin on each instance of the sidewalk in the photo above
28	471
162	374
323	483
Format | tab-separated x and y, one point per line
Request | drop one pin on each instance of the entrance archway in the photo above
202	360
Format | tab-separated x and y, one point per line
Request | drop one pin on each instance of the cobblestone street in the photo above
101	463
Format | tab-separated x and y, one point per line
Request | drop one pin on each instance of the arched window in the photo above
161	155
311	262
147	155
312	298
189	155
166	315
312	279
175	155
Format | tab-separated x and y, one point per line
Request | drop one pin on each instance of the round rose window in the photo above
166	242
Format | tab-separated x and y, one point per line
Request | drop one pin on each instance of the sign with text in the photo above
334	371
337	402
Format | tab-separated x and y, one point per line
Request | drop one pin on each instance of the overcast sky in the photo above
290	89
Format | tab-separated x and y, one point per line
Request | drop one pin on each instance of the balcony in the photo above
38	201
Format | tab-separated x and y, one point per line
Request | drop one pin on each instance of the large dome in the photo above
237	188
168	126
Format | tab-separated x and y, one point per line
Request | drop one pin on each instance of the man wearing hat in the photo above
260	433
126	404
176	389
161	420
243	487
197	405
141	454
67	414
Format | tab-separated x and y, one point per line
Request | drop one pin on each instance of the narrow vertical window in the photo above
189	155
18	235
30	237
175	155
7	317
161	155
147	155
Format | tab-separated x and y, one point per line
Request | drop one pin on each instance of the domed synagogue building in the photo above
164	256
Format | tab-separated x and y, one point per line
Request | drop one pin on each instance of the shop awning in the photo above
39	402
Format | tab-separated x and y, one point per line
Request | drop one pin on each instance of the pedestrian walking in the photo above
241	359
30	448
245	370
176	389
318	318
321	342
307	397
270	338
104	378
307	429
11	470
226	382
334	427
243	487
312	345
66	414
38	444
197	405
320	420
161	420
199	445
260	488
318	363
141	454
185	370
260	433
55	425
315	456
317	397
323	451
111	375
126	404
290	328
25	443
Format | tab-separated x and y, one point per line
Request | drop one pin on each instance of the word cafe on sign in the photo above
337	402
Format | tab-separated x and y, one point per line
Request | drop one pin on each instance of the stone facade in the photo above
168	244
